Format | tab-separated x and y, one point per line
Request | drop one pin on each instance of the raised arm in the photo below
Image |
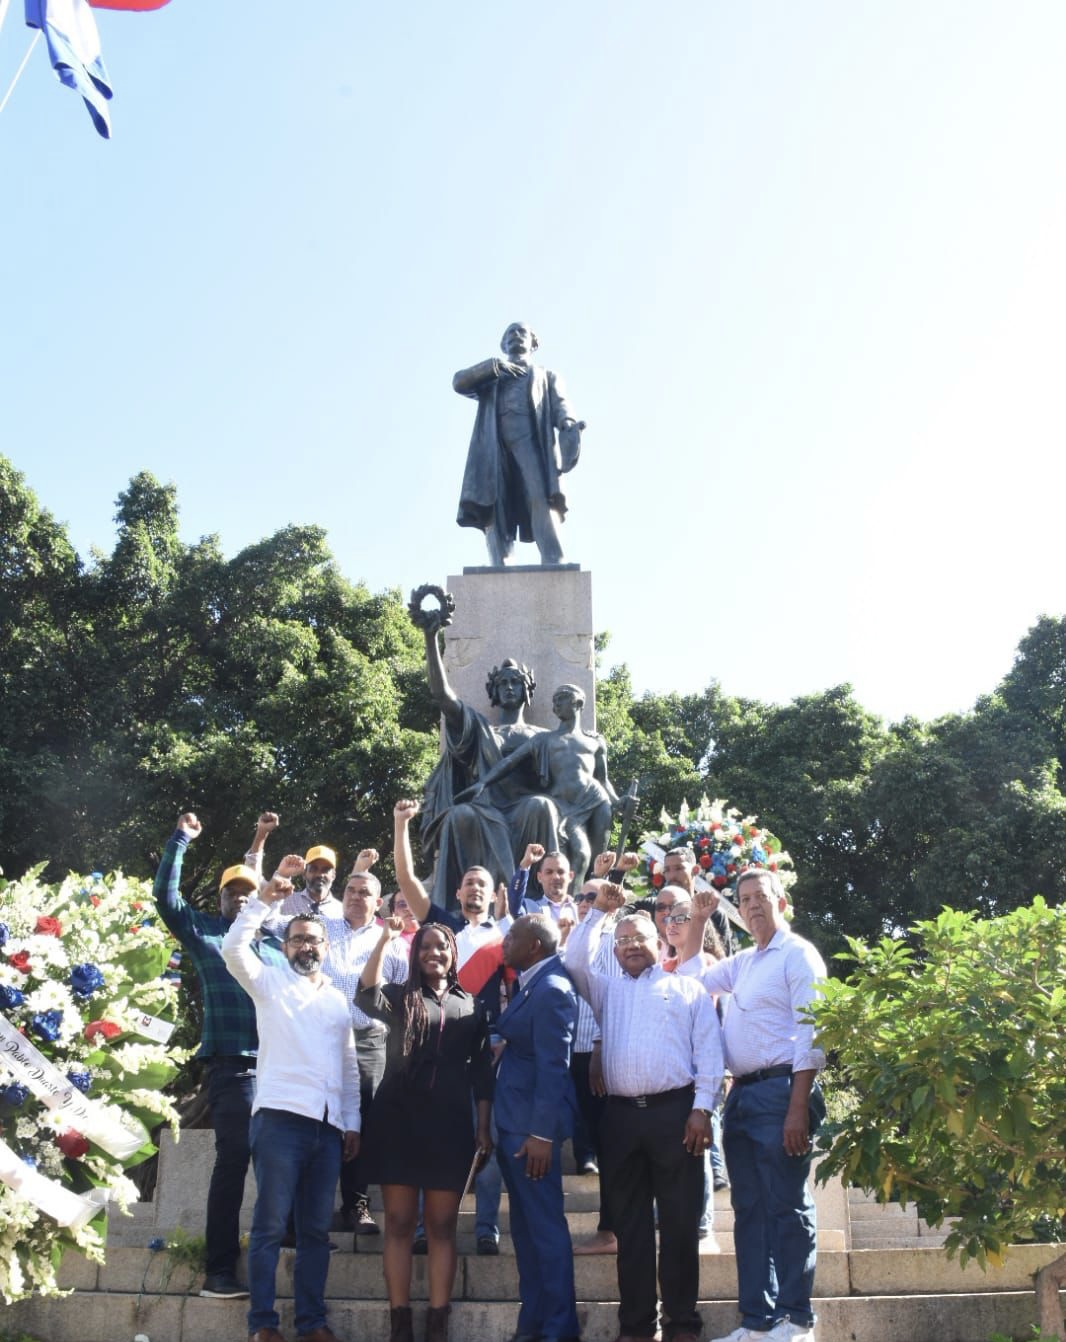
440	688
413	889
265	826
241	961
583	942
372	975
499	769
174	911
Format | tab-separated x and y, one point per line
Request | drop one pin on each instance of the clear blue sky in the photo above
802	266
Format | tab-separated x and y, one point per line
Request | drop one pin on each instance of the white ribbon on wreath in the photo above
44	1080
65	1207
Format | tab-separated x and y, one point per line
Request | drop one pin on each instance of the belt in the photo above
660	1097
763	1074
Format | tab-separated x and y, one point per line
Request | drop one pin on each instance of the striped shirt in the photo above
658	1034
349	950
768	989
604	962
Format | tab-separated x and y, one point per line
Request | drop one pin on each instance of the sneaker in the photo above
787	1331
364	1222
720	1182
223	1287
743	1335
487	1247
589	1167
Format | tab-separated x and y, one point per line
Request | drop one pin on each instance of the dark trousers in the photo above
645	1163
231	1093
370	1050
591	1108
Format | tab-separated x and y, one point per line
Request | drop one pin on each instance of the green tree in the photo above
953	1047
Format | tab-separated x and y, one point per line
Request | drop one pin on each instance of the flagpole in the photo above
3	11
18	72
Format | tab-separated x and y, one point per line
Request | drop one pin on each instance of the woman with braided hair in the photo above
419	1136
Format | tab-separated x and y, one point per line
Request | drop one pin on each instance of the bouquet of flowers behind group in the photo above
85	1020
725	844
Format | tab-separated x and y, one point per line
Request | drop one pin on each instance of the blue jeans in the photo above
487	1187
231	1094
297	1161
774	1219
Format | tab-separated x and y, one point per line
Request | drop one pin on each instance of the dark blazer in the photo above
534	1092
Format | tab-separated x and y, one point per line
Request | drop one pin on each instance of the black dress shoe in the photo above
487	1247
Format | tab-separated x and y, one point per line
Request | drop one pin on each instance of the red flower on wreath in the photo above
719	882
705	843
705	861
95	1028
657	880
72	1144
21	962
48	927
94	900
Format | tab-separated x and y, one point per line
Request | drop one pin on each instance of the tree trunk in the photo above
1049	1281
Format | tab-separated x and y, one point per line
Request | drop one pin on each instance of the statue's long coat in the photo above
492	489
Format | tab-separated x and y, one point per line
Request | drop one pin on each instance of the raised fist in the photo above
188	824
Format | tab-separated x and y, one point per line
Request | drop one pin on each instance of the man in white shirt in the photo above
305	1118
662	1064
773	1108
351	941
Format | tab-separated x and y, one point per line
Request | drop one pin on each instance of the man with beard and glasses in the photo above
306	1113
228	1045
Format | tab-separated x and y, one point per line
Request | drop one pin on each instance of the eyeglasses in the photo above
300	940
585	899
679	918
631	941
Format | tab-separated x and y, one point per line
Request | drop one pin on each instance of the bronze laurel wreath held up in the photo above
432	617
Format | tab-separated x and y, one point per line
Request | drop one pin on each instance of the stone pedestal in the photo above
539	616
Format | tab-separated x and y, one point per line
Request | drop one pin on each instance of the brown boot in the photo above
400	1325
437	1323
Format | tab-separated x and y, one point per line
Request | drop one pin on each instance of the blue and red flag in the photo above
74	47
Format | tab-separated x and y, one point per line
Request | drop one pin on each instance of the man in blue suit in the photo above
535	1108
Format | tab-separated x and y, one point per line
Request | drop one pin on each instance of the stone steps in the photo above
880	1277
119	1316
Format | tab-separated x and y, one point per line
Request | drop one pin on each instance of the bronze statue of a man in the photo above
511	485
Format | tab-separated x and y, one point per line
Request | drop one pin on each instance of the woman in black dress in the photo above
419	1134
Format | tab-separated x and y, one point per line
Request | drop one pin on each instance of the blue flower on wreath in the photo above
718	865
85	980
14	1095
5	932
46	1024
10	997
758	854
83	1080
31	1161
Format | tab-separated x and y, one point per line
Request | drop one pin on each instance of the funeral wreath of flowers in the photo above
724	842
85	1020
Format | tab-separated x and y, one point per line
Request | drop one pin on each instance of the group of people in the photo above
428	1050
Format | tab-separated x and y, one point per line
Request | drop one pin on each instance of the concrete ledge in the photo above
923	1271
